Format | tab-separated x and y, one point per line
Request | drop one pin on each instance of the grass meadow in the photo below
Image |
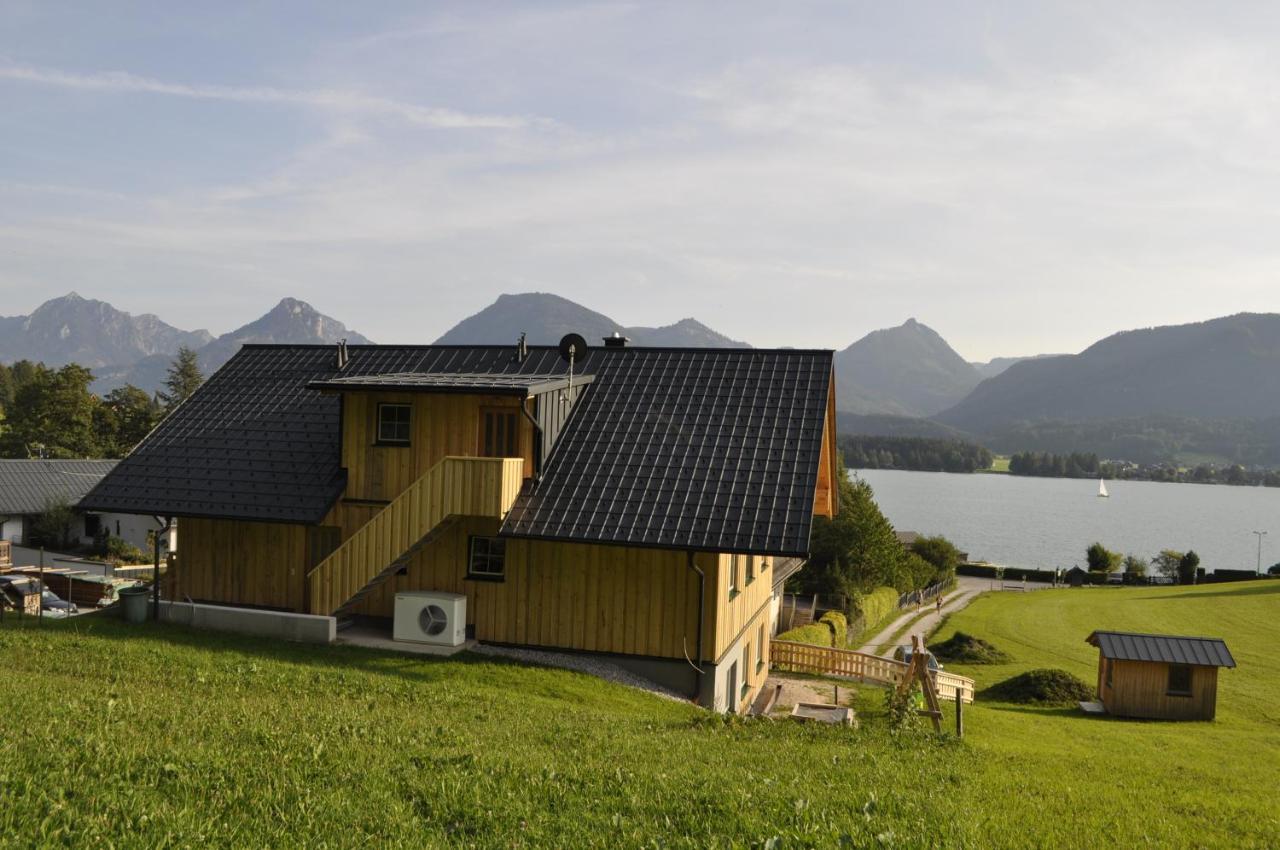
157	736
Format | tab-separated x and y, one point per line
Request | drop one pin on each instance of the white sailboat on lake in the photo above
1102	489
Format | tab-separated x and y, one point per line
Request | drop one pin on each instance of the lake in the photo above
1048	522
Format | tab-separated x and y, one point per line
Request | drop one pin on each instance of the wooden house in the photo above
1161	677
634	504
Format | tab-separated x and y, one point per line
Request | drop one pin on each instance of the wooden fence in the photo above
6	554
859	666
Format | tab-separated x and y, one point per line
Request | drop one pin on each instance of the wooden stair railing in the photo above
454	487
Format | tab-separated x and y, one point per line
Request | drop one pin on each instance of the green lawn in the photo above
158	736
999	464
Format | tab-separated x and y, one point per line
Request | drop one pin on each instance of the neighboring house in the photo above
636	508
1162	677
29	487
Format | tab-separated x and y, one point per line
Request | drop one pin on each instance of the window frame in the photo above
760	648
750	570
746	665
379	439
488	542
1179	668
733	576
734	699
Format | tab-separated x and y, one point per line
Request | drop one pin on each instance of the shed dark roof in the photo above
28	486
1168	649
522	385
710	449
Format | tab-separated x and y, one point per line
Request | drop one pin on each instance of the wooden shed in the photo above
1162	677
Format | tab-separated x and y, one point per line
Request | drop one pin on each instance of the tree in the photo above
940	553
53	415
52	526
1101	559
1187	566
184	378
857	549
127	414
1135	565
1168	562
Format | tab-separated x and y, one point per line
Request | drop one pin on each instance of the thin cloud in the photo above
328	99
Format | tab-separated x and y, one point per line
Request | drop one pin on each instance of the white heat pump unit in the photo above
430	617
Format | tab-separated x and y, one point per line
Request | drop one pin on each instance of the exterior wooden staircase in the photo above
453	488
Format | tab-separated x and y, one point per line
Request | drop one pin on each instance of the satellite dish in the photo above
573	348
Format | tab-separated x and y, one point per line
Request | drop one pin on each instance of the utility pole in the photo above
1261	534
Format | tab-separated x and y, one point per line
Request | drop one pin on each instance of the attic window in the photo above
393	424
1179	680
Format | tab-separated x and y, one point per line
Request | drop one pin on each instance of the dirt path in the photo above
966	589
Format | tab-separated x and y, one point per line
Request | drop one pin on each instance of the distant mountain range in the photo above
546	318
1226	368
1210	387
72	329
122	348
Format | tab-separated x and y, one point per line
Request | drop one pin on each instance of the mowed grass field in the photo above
162	737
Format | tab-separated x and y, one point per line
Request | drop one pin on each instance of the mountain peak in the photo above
909	370
546	317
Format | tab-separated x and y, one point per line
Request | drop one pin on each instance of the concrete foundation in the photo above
303	628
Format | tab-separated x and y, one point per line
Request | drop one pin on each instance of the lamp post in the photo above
1261	534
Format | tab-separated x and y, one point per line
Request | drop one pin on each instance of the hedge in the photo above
818	634
877	606
1010	573
839	626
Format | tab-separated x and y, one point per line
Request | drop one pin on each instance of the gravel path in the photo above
966	589
582	664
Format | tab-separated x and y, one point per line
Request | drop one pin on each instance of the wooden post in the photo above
959	714
40	591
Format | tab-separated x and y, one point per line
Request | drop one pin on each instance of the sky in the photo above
1024	178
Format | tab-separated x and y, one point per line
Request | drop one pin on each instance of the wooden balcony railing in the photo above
850	664
456	486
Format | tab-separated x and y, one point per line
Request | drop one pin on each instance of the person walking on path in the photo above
939	603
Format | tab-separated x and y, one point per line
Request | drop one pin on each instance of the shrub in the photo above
967	649
817	634
122	552
839	626
1274	570
1045	686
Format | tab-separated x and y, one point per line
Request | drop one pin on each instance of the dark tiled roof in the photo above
28	486
708	449
254	442
1169	649
524	385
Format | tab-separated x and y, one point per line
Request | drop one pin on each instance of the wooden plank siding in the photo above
441	425
259	564
562	595
453	487
734	613
1140	689
825	502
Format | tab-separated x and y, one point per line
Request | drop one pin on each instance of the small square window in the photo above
487	559
1179	680
393	424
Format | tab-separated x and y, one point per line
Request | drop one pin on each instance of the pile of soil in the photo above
1041	687
962	648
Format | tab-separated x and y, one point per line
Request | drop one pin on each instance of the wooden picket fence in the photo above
858	666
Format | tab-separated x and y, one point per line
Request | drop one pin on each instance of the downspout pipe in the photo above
702	591
537	455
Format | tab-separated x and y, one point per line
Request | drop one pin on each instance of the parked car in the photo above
903	654
55	606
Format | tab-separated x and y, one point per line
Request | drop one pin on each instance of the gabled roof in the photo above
1169	649
520	385
29	486
709	449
